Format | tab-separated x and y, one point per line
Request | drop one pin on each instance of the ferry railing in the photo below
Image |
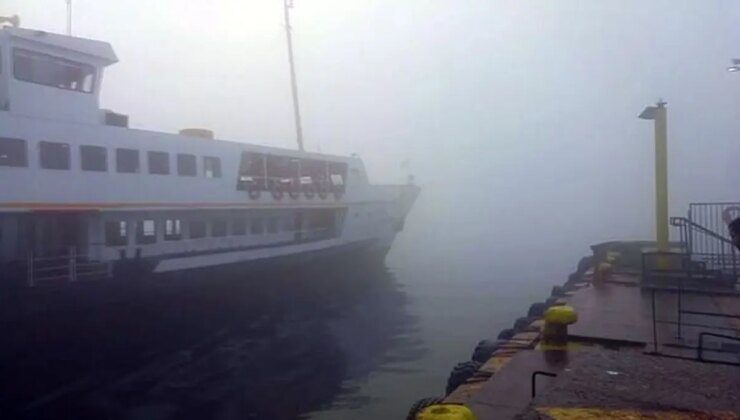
700	349
713	217
69	267
660	266
265	183
709	249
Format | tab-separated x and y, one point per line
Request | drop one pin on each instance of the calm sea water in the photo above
342	342
458	282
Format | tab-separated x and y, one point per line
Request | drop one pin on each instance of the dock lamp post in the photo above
658	114
735	67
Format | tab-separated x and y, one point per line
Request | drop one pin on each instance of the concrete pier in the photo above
637	351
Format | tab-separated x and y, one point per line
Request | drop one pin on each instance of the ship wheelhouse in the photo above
52	76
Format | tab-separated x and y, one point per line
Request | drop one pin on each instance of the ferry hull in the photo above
136	282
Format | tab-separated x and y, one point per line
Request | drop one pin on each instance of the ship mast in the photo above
287	5
69	17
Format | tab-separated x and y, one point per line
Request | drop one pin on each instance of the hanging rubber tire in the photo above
573	278
461	373
522	324
537	309
422	404
277	192
309	190
254	193
338	193
294	191
557	291
506	334
484	350
323	190
584	264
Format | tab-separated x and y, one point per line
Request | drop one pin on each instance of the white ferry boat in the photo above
82	196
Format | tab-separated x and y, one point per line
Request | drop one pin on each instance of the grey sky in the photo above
525	108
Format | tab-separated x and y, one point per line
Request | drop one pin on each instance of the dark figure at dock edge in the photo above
733	223
735	232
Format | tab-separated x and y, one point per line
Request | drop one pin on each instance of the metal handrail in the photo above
725	255
72	265
684	222
700	348
534	379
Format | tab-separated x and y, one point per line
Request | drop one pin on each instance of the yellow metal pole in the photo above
661	177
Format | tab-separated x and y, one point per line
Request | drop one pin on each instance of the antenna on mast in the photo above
69	17
287	5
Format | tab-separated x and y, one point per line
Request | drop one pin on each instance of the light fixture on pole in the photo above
735	67
13	21
287	5
658	114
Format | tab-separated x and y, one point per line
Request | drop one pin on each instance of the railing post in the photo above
655	329
680	298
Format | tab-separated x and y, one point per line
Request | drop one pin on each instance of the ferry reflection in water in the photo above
275	346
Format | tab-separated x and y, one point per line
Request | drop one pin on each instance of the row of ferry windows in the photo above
14	152
117	232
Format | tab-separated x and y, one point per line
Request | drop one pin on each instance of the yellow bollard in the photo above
446	412
602	272
555	330
612	257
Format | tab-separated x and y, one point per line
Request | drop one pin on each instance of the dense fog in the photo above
518	119
517	115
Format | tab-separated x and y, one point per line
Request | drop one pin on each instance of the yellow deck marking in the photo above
564	413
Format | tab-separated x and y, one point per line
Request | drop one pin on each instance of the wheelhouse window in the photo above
159	163
93	158
116	233
127	161
218	228
212	167
146	232
13	152
172	230
33	67
186	165
239	227
197	229
54	155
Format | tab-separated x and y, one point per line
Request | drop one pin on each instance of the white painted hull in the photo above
80	192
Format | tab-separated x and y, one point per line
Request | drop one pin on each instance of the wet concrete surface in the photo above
272	346
622	312
629	379
615	312
511	390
